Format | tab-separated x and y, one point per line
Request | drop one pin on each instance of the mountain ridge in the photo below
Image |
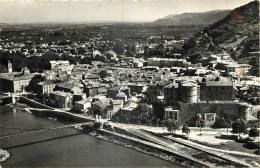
206	18
237	34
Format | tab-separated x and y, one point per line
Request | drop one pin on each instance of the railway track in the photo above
207	157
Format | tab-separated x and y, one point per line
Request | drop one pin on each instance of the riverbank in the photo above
132	145
128	140
147	147
67	147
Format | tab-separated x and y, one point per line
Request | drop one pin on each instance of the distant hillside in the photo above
203	18
237	33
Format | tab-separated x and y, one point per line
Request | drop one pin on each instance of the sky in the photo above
58	11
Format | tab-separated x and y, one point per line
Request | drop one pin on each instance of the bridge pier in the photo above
100	120
14	99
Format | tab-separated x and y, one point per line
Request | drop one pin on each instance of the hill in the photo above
237	34
203	18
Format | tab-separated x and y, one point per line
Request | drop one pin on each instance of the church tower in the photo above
10	68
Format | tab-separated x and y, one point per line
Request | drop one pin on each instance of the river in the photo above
64	147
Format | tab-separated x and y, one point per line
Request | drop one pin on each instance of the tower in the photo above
9	66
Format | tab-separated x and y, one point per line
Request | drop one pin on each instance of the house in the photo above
129	107
100	108
167	62
116	105
121	96
46	87
66	87
61	99
82	106
63	68
60	62
237	69
91	77
136	88
112	92
91	89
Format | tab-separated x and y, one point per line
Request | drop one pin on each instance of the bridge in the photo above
43	130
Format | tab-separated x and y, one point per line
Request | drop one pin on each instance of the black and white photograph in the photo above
129	83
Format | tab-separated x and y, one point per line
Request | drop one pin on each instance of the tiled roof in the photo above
175	85
66	85
48	82
223	81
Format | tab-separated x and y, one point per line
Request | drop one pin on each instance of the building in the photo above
63	68
92	89
171	93
116	106
137	88
116	91
91	77
138	63
167	62
15	82
218	88
186	91
61	99
112	92
82	106
237	69
101	109
190	92
46	87
66	87
60	62
121	96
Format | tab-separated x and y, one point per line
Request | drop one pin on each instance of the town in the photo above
134	81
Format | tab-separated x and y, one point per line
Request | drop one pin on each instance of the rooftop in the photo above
219	81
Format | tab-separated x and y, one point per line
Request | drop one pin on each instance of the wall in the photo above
33	103
231	110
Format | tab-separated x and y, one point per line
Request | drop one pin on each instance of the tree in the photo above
97	111
141	112
86	60
189	44
129	52
32	87
185	129
172	125
219	122
239	126
158	109
195	58
253	132
3	69
200	120
103	73
119	47
130	76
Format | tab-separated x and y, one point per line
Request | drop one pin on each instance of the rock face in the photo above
4	155
237	33
203	18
